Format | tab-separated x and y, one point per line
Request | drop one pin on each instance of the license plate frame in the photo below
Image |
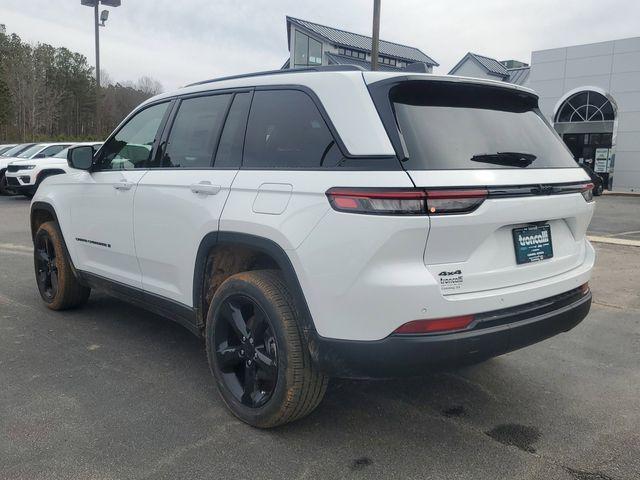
532	243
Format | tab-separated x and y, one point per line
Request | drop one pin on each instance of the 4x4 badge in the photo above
447	274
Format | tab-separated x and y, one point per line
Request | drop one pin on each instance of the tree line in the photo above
49	93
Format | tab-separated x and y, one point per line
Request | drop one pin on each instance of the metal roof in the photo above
353	40
519	75
335	59
490	65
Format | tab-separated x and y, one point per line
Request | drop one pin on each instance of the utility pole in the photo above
96	19
99	20
375	41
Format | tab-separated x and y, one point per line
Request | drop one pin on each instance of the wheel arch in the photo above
44	173
260	248
42	212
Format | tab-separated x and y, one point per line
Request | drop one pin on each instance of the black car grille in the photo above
13	182
13	168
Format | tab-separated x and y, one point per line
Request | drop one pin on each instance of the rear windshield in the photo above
447	126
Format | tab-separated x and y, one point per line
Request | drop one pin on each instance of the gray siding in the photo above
611	66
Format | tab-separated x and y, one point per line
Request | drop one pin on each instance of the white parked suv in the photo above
25	176
327	222
32	152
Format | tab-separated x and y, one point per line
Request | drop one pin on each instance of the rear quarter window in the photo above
286	130
450	126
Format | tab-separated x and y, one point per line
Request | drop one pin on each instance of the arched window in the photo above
587	106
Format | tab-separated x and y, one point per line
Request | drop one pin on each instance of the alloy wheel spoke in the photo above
250	383
265	363
229	357
258	327
236	320
54	280
42	255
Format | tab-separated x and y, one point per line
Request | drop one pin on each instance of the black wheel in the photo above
57	284
3	184
598	191
257	352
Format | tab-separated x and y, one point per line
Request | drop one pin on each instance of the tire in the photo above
57	284
298	387
3	184
599	190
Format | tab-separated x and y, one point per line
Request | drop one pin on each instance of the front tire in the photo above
58	286
599	190
257	352
3	184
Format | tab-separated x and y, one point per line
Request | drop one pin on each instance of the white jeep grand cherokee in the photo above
327	222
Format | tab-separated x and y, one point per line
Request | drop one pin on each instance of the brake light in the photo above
436	325
378	201
405	201
587	191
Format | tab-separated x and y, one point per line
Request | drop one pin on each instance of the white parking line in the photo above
614	241
14	249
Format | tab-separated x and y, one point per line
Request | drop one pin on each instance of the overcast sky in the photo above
181	41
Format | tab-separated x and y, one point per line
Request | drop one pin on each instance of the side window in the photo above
52	150
286	130
195	132
229	154
131	147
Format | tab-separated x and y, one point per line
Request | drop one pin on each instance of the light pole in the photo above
375	41
99	20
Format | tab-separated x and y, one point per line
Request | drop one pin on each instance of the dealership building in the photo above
590	93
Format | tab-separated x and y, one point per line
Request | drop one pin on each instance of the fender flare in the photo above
263	245
47	207
48	173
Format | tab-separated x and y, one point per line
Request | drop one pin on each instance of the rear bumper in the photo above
493	333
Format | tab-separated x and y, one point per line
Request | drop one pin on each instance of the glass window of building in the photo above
307	51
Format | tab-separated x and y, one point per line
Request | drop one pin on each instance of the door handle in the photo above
205	188
123	185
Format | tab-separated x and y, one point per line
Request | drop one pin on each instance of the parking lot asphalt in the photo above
113	392
617	216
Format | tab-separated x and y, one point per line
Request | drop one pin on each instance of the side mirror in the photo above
80	157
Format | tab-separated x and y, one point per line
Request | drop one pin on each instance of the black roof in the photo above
346	39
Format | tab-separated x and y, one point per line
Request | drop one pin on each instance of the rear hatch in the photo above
508	204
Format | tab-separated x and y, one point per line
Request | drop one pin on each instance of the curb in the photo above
613	241
621	194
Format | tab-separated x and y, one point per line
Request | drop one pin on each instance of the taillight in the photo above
435	325
587	191
584	288
378	201
405	201
442	202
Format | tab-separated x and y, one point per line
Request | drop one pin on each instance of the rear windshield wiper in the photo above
512	159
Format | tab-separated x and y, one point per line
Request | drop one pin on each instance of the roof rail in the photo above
325	68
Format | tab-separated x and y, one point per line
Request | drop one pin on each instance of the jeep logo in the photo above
447	274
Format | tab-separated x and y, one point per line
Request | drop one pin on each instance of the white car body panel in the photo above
170	221
362	276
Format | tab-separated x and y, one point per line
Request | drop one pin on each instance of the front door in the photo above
102	207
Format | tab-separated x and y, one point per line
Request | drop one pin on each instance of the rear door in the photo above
504	194
181	200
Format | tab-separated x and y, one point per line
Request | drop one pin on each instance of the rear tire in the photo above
58	286
258	304
599	190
